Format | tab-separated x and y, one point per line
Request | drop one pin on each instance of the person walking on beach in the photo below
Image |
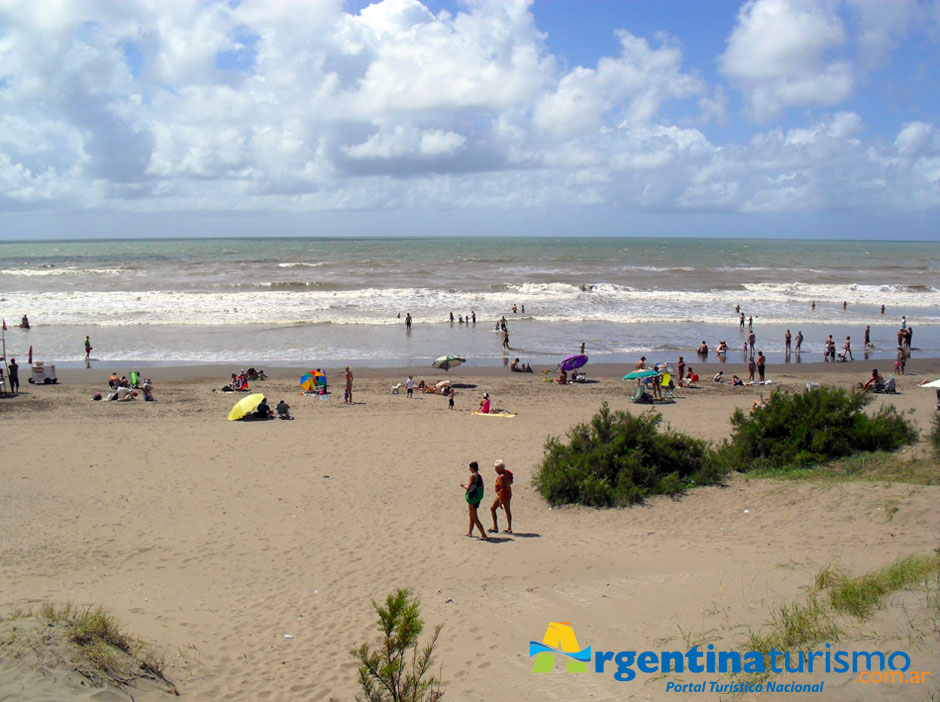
742	320
799	340
867	336
410	386
847	349
474	496
349	382
751	340
680	368
786	343
760	365
450	399
408	321
503	496
751	367
13	372
505	338
582	348
87	348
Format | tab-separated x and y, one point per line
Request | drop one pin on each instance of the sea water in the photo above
330	301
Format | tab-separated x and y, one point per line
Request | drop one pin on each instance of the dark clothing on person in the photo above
14	371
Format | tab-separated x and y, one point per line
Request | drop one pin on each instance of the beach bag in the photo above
474	496
508	472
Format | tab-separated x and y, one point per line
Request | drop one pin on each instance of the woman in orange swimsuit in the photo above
503	496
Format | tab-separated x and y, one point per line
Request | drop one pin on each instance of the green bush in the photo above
619	459
811	427
396	669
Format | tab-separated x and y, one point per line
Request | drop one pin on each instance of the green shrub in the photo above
619	459
811	427
396	670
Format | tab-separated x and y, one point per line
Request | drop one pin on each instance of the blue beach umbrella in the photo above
644	373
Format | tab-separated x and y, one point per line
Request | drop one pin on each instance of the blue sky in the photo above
324	117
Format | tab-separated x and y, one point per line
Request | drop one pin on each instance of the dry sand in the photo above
215	539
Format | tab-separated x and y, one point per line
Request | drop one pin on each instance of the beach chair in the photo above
641	397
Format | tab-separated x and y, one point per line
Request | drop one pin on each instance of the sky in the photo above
767	118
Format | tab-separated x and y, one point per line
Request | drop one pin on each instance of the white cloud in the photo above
404	141
632	86
141	107
778	55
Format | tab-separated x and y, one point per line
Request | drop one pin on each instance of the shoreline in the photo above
921	368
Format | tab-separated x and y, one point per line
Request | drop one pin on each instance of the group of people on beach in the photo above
474	492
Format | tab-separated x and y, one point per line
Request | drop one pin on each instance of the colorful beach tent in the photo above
244	406
572	362
644	373
313	381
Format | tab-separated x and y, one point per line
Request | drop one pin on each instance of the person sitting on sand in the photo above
691	376
262	411
503	497
114	381
761	403
562	378
485	403
718	377
514	366
147	389
474	496
283	410
735	380
876	383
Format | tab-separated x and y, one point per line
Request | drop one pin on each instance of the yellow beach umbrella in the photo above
244	406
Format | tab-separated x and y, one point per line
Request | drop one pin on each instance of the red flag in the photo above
30	354
4	324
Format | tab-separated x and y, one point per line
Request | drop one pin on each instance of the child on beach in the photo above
450	399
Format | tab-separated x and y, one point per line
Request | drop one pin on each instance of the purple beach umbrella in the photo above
572	362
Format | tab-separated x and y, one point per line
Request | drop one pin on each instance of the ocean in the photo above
333	301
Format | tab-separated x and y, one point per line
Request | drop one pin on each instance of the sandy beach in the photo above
217	540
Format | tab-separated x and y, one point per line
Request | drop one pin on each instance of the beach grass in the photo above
862	595
933	437
814	618
877	466
90	638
